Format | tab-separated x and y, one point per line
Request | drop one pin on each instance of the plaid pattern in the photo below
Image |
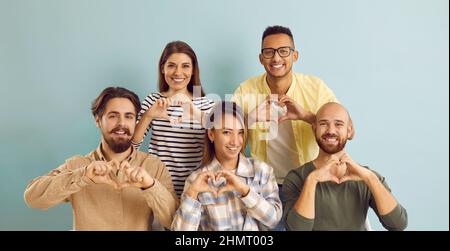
230	211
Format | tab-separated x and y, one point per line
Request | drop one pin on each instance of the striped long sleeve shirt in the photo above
180	147
258	210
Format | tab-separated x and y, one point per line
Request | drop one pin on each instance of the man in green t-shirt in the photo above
333	192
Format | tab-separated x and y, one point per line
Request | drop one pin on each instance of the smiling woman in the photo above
178	146
229	191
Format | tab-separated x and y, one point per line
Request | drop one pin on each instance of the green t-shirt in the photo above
337	206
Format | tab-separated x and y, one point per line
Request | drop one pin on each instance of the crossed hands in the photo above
278	108
159	109
102	172
340	170
217	184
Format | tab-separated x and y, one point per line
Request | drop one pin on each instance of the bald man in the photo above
333	192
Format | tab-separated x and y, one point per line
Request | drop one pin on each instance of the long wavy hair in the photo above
179	47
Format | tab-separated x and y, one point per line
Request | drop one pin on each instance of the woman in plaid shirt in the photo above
228	191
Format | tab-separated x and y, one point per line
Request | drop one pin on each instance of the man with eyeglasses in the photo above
272	99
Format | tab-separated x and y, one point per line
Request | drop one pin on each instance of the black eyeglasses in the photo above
282	51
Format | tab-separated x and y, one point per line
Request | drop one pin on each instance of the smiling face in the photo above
117	124
277	66
228	137
332	128
177	71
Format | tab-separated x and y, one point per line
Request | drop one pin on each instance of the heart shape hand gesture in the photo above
101	172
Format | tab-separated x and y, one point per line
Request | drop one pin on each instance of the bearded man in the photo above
333	192
115	187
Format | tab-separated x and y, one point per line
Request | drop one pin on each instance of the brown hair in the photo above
220	109
98	105
179	47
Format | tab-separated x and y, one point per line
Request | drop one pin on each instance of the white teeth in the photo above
277	66
178	79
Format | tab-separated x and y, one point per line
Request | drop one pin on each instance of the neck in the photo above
281	85
111	155
228	164
171	92
323	157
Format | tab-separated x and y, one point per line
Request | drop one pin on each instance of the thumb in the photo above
344	179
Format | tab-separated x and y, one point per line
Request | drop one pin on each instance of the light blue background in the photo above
386	60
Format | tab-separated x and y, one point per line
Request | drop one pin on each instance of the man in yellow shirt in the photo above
274	138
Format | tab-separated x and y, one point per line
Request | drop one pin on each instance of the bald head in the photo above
333	110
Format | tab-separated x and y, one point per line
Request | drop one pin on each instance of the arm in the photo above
58	185
264	207
160	196
391	214
146	116
188	215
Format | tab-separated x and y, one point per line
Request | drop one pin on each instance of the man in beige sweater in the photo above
115	187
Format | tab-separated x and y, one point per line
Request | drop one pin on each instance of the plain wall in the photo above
386	61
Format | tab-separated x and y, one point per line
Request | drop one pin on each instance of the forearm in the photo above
266	209
305	203
162	202
309	117
384	200
188	215
50	190
141	128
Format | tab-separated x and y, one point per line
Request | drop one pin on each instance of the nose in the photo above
178	70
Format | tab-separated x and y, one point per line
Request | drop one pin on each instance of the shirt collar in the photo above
244	169
98	154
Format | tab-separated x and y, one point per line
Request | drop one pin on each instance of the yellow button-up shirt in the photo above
308	91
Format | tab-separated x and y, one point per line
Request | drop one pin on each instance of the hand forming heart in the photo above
101	172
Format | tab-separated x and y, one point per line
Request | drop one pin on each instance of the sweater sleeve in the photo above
161	197
57	186
292	187
397	219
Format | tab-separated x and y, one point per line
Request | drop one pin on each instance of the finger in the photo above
114	164
133	175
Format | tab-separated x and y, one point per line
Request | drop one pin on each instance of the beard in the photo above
331	149
118	145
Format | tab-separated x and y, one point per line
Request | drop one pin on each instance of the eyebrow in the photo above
127	113
170	62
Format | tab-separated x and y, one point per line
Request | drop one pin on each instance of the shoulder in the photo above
152	97
309	80
299	174
251	83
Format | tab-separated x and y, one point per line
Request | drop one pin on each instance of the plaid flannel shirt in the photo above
230	211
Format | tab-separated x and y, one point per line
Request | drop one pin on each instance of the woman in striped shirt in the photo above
229	191
175	114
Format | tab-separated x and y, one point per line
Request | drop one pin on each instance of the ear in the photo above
261	59
350	131
97	121
296	56
211	135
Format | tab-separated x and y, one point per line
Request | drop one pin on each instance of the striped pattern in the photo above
230	211
180	146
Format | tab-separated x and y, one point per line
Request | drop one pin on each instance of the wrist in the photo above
244	191
311	179
192	194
